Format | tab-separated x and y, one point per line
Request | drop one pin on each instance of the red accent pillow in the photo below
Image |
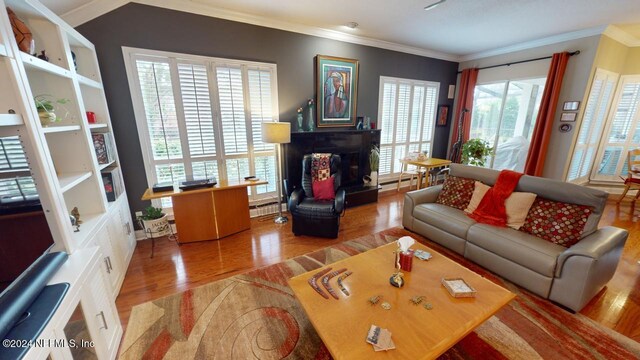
557	222
456	192
323	189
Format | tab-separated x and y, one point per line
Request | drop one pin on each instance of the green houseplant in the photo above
155	222
46	106
475	152
374	164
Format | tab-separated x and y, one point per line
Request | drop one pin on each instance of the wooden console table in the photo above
209	213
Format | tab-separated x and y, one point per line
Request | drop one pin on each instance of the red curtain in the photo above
545	121
467	85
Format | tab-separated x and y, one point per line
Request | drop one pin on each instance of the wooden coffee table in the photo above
418	333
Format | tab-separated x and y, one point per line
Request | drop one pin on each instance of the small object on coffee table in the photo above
422	255
428	306
458	288
380	339
416	300
314	285
340	279
375	299
326	278
385	305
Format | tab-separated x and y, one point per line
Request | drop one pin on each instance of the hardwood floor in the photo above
177	268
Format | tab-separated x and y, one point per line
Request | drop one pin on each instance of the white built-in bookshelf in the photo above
63	160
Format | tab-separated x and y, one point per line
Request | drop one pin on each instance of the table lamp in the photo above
277	133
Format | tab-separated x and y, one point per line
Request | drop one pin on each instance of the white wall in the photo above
576	81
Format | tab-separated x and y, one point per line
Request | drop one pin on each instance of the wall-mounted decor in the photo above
443	114
571	105
568	117
336	90
565	128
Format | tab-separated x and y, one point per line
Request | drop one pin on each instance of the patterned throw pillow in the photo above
456	192
557	222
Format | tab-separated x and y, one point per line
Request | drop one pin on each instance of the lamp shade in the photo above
276	132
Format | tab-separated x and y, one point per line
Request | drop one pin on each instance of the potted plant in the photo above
46	106
374	163
155	222
475	152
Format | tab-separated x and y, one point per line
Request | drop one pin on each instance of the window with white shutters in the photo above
592	126
406	113
622	132
201	117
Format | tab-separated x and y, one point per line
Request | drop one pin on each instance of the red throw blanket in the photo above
491	209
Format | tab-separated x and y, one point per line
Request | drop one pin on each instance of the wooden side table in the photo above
209	213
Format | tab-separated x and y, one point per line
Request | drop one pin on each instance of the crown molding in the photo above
90	11
621	36
203	9
96	8
598	30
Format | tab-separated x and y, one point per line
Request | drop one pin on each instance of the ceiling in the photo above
456	29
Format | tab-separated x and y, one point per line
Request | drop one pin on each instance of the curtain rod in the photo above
522	61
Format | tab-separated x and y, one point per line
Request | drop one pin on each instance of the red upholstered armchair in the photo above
632	182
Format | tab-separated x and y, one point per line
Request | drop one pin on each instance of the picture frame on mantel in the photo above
336	91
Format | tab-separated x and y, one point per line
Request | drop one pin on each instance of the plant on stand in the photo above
155	222
374	164
46	106
475	152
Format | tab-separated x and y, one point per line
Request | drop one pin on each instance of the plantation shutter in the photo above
232	115
260	99
623	132
196	103
160	109
592	126
407	118
430	109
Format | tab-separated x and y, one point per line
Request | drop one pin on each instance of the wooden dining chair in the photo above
412	173
632	182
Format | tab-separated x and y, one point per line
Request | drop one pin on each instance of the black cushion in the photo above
316	208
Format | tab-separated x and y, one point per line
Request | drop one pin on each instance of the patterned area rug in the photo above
256	316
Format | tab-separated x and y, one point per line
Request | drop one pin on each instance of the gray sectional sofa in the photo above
568	276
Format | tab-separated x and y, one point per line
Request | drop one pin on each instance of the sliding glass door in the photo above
504	115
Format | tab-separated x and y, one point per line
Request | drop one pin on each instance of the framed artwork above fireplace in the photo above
336	91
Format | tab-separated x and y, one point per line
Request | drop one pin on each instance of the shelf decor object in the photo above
336	90
277	133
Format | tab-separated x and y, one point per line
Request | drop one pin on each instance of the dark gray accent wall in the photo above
149	27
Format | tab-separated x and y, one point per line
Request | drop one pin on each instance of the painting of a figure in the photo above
336	84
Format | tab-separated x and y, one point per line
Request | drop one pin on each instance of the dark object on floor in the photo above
317	217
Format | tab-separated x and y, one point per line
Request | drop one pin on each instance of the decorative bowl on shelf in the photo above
47	117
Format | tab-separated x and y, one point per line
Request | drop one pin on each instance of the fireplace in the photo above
353	146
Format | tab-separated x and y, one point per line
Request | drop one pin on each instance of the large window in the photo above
201	117
407	110
592	126
504	114
622	132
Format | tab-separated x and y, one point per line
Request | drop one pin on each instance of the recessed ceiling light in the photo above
432	6
352	25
